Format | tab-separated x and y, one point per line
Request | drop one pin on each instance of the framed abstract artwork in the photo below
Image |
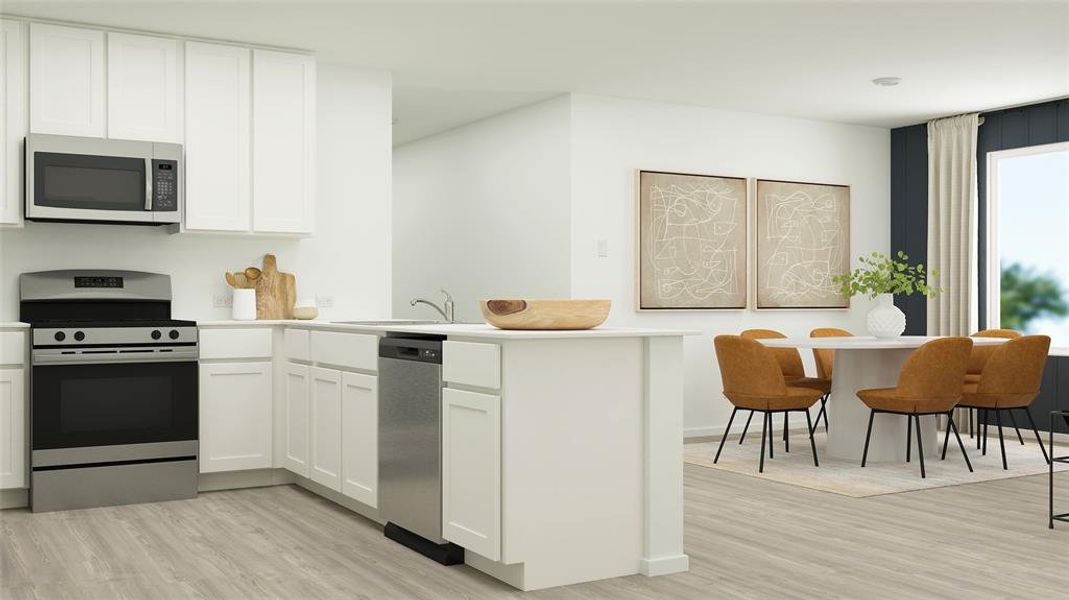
801	241
691	241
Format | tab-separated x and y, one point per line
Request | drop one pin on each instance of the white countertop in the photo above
14	325
866	342
481	330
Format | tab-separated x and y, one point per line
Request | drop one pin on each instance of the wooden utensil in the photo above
545	314
252	273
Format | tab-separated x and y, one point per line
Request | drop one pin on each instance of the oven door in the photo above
85	179
112	404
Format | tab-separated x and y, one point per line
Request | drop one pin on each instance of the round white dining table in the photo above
868	362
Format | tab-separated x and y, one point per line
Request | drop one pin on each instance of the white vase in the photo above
886	320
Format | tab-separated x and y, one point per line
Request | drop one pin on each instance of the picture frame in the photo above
691	241
801	240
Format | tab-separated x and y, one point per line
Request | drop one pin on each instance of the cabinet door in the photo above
12	429
13	126
471	471
283	133
297	423
66	80
217	142
143	88
360	437
326	427
235	416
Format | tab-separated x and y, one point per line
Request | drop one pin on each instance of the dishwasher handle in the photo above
411	349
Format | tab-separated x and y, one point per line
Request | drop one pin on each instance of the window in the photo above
1028	240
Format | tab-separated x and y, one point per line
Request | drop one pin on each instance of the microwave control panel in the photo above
164	185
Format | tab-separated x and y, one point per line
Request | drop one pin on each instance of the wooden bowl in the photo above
545	314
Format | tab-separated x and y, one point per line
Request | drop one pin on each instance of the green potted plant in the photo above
882	277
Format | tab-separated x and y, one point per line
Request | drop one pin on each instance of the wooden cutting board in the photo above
276	292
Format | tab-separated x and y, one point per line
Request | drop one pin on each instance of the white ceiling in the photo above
454	63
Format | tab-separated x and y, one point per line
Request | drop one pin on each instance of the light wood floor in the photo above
746	538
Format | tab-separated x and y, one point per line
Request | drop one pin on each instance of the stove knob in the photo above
60	336
156	334
173	335
79	336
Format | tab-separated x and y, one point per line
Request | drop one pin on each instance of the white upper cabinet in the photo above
283	133
67	81
13	124
218	154
144	88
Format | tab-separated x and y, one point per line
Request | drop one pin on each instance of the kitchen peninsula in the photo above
561	450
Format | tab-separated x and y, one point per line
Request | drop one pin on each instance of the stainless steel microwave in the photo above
108	181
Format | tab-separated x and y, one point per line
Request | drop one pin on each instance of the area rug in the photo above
849	479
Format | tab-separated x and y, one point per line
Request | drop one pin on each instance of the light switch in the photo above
603	248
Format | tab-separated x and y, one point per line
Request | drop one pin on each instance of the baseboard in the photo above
235	480
338	498
17	498
666	565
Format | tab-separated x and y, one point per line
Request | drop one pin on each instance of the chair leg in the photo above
786	433
771	434
909	435
985	433
747	428
868	435
1001	442
824	410
1013	420
946	437
951	425
727	429
972	413
812	442
920	445
1035	430
764	430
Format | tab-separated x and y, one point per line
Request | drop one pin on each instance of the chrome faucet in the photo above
446	310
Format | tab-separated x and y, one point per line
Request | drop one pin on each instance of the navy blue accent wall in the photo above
909	211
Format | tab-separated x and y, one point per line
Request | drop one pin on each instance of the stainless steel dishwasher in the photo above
410	443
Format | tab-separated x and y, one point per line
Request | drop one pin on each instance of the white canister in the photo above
244	305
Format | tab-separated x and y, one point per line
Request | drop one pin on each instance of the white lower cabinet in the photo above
295	455
12	428
235	416
471	471
360	437
326	427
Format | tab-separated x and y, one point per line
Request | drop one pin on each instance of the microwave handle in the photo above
148	184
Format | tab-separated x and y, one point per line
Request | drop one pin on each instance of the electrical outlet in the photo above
222	300
325	301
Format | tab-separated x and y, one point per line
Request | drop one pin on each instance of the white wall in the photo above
483	211
348	258
612	138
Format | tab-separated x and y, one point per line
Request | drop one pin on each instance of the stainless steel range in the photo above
113	390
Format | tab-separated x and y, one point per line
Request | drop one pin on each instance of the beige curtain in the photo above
952	224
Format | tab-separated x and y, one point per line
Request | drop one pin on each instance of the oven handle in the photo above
148	184
55	356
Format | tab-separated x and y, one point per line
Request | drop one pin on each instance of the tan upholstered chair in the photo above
825	360
928	384
790	364
1011	378
753	381
979	357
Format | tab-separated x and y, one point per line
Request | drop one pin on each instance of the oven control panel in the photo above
113	336
164	185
